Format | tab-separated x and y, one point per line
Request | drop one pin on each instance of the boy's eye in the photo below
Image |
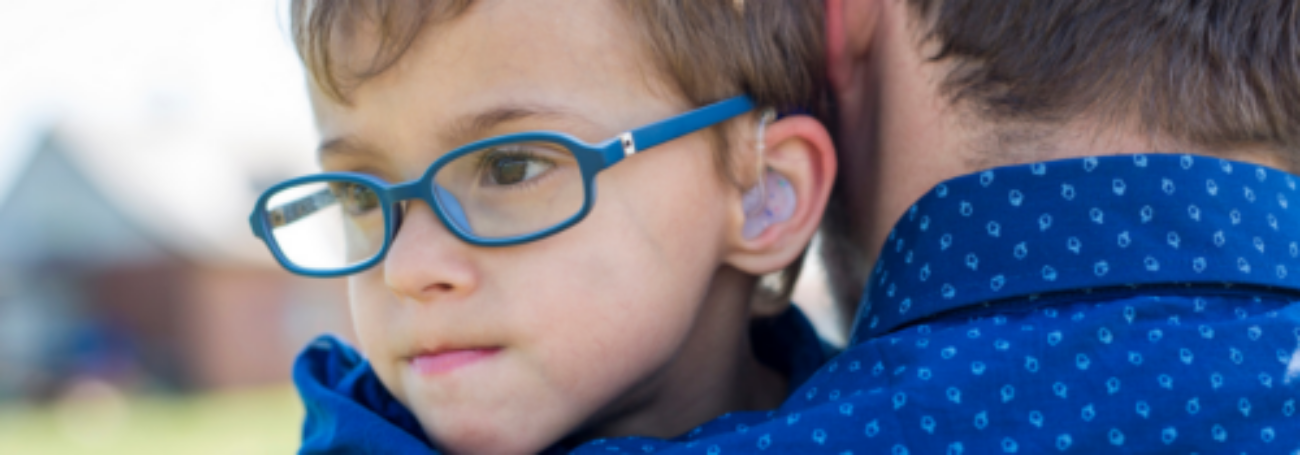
357	199
513	166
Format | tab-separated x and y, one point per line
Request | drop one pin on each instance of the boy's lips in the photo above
446	360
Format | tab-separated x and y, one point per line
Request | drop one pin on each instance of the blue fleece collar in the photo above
348	409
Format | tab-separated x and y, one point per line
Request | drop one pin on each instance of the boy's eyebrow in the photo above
474	126
342	146
460	131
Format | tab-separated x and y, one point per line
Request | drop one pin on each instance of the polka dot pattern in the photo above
1084	224
1140	303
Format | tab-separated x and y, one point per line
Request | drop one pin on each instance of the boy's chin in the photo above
488	438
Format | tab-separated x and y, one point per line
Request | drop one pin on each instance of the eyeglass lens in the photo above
327	225
510	190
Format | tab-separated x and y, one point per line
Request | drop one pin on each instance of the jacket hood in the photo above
348	409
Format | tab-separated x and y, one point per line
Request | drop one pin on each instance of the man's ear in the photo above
797	153
850	25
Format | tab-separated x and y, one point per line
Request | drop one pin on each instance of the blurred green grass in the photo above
253	421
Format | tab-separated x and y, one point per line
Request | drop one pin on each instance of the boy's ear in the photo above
798	151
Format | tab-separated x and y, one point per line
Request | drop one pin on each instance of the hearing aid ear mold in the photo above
772	199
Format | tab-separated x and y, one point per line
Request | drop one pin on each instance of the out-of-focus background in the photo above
137	312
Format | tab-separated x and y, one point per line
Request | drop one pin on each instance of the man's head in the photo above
635	319
932	89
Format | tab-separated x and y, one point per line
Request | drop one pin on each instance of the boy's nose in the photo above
426	262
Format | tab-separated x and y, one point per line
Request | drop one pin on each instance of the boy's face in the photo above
509	349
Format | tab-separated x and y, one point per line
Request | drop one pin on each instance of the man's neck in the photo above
894	137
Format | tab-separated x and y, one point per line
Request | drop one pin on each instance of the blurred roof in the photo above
179	112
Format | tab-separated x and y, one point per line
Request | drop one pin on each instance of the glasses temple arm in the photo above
660	132
287	213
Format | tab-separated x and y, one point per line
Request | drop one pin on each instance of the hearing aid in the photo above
772	200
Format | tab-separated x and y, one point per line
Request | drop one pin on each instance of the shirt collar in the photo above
789	344
1079	224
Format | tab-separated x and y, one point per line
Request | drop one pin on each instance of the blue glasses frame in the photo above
591	158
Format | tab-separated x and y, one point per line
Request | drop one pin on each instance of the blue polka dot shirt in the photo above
1138	303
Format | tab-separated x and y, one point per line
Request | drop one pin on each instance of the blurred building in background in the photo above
96	288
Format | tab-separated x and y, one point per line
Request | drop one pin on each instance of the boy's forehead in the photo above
504	61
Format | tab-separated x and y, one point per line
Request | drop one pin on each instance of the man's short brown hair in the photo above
704	50
1215	74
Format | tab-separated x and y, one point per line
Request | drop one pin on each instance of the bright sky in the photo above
191	99
226	64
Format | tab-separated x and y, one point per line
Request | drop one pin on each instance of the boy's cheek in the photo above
582	323
364	305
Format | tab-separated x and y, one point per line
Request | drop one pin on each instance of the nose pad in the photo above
399	215
451	207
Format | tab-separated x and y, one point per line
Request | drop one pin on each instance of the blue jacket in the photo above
348	409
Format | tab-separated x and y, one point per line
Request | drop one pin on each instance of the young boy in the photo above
554	217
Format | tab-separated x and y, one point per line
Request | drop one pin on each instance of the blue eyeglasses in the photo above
500	191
